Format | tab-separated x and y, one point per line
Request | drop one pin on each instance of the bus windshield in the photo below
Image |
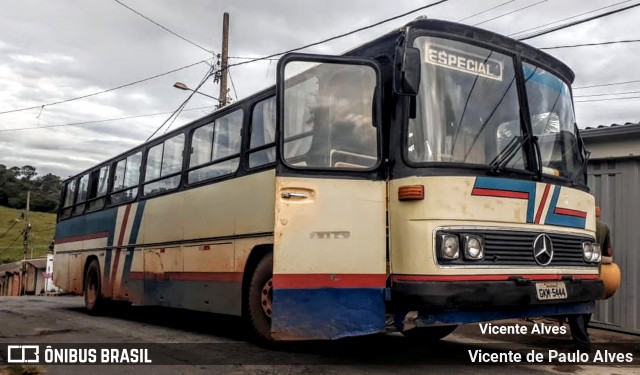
467	111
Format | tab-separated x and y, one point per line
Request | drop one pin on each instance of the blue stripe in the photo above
95	222
507	184
135	228
562	220
327	313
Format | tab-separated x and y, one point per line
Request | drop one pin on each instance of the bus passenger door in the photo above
329	269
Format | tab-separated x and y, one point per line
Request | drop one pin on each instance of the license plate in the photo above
551	290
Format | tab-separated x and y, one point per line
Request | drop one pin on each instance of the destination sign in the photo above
464	62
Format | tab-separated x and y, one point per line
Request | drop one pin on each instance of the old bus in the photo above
434	175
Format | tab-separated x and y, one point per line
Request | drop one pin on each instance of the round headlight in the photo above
587	251
450	248
597	253
473	249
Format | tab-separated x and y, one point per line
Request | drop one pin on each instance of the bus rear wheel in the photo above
434	333
93	300
260	297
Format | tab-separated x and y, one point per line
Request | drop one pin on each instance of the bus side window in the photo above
69	195
83	186
327	116
263	129
97	188
126	179
216	148
164	164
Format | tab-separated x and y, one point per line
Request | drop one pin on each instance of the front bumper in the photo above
518	292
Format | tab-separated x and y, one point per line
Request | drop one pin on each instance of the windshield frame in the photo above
520	53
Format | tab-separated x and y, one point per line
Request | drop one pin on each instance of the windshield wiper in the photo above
508	153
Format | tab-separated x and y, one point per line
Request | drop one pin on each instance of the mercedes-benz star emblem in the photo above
543	250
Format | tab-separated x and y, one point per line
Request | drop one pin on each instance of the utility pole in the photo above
25	243
225	60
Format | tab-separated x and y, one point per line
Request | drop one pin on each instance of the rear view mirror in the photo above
407	80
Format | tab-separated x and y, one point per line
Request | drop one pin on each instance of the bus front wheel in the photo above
260	299
92	289
434	333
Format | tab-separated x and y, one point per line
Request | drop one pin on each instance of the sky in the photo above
52	51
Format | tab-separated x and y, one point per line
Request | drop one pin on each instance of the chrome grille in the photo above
505	247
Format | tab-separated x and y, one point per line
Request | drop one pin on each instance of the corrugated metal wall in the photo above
616	187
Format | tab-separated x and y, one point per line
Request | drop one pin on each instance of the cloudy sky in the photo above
51	51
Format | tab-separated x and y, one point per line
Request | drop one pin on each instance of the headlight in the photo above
587	251
597	253
450	248
473	247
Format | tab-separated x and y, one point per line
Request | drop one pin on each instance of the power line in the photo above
98	121
11	244
513	11
611	93
104	91
593	44
249	58
606	99
339	36
485	11
11	227
176	113
605	84
568	18
233	86
574	23
164	28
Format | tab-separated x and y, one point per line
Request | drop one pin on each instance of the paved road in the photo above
202	343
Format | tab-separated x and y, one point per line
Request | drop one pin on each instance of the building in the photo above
614	179
34	280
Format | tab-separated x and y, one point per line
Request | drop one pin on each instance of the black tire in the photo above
259	307
427	334
93	300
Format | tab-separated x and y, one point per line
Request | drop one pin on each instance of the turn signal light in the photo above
411	193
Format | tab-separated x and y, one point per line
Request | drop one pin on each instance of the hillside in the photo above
11	247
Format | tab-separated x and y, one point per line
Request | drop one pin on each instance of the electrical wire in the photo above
566	19
164	28
593	44
604	84
11	244
104	91
340	35
99	121
513	11
605	99
176	113
235	93
607	94
11	227
574	23
485	11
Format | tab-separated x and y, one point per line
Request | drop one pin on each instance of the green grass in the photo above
11	244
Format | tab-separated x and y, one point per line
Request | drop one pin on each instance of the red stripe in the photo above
542	202
395	278
500	193
232	277
329	280
123	228
90	236
570	212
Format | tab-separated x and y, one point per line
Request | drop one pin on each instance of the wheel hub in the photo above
266	297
